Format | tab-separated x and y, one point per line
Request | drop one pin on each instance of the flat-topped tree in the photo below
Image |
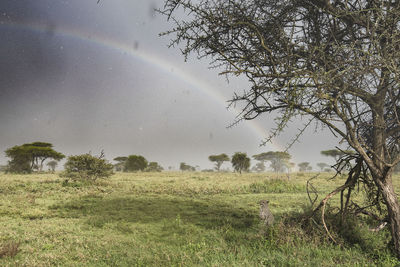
218	160
259	167
279	160
186	167
120	165
154	167
304	166
52	164
120	159
335	62
32	154
322	165
336	153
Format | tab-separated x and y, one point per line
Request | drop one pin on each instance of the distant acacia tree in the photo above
218	159
279	160
135	163
153	167
304	166
120	165
259	167
291	166
334	62
240	162
336	153
52	165
27	157
322	165
185	167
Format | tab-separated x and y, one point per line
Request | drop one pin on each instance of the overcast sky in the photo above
87	76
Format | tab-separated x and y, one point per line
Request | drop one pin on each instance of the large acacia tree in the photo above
218	159
27	157
335	62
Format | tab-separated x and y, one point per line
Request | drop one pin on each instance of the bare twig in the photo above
314	190
379	227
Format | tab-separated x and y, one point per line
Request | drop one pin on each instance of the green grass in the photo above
174	219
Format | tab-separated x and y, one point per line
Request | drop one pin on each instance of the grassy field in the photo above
173	219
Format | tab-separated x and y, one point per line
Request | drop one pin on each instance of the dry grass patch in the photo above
9	249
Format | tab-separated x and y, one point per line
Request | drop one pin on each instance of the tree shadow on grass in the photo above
150	209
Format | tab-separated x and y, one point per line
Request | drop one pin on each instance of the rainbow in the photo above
147	58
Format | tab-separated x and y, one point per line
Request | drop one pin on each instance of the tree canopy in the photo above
120	165
334	62
259	167
154	167
52	164
186	167
27	157
218	159
322	165
304	166
121	159
279	160
135	163
240	162
336	153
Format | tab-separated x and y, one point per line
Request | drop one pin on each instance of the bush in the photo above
87	167
274	186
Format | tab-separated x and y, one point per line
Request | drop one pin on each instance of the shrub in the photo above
87	167
274	186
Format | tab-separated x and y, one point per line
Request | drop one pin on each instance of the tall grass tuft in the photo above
9	249
298	229
274	186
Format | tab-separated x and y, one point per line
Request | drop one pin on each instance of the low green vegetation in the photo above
177	219
87	168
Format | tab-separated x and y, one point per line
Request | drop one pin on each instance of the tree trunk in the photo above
393	208
41	164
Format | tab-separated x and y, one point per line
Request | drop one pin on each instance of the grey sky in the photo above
65	79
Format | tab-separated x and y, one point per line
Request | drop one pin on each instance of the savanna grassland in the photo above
176	219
